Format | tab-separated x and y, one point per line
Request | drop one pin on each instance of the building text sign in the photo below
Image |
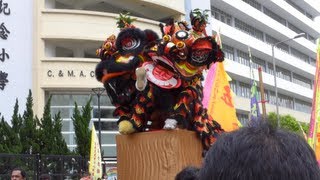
16	47
59	73
4	35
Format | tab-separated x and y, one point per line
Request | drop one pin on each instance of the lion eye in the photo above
130	43
182	35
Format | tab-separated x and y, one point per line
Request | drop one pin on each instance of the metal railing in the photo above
60	167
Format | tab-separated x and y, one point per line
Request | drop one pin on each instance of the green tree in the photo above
11	139
16	120
61	143
81	123
29	133
51	140
289	123
46	131
3	137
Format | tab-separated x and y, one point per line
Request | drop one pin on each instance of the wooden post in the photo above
263	101
157	155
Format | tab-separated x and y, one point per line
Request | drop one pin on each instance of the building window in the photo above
90	53
107	125
309	16
285	101
283	73
284	22
257	62
294	28
302	106
243	118
242	26
305	82
244	90
228	52
299	55
274	16
295	6
109	143
299	9
313	61
270	69
221	16
271	40
65	103
272	97
63	52
253	3
233	86
312	39
243	58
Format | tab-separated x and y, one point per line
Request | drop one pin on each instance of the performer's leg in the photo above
183	109
142	108
124	114
205	126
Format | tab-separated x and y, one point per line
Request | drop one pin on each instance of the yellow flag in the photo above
221	104
95	167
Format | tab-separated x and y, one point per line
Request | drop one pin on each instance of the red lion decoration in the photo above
155	83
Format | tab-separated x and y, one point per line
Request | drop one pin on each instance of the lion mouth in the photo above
161	72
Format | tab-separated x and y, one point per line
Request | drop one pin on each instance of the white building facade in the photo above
259	24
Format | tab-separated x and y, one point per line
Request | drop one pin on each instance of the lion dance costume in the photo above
155	83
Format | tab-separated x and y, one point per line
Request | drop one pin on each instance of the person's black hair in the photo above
188	173
262	153
22	172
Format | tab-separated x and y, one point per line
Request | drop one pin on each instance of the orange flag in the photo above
314	130
221	105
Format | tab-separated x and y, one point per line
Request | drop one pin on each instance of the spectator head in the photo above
260	152
188	173
86	176
18	174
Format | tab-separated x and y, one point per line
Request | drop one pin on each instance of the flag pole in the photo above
301	129
263	101
251	69
251	77
254	106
